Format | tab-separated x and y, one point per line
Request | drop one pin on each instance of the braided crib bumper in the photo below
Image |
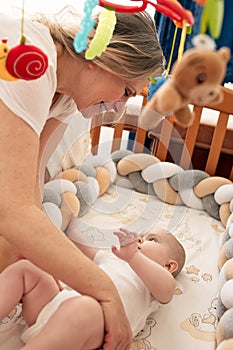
141	172
75	190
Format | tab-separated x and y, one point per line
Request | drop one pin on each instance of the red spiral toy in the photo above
26	62
23	61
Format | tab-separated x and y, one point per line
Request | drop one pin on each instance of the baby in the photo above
143	269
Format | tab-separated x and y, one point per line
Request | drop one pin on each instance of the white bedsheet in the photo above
189	321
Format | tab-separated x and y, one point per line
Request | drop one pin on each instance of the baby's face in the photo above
155	246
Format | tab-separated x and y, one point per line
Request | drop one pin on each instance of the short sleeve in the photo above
30	100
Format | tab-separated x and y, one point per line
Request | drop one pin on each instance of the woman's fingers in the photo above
118	334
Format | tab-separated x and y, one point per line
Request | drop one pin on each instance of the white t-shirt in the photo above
135	296
31	100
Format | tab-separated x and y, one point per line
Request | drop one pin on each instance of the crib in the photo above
139	203
206	145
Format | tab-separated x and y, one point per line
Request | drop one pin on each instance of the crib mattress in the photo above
189	320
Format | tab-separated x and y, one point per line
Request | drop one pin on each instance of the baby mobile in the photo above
23	61
107	21
212	18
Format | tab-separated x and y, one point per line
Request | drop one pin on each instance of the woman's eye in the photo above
129	93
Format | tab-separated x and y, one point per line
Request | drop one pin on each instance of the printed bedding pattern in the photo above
189	321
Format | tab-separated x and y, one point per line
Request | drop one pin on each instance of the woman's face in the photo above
95	90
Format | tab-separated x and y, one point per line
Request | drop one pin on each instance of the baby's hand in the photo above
128	244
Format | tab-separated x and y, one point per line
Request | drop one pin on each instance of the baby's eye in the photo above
152	239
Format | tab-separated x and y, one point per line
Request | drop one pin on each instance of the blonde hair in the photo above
133	53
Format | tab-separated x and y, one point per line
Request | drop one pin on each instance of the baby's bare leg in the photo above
78	324
24	281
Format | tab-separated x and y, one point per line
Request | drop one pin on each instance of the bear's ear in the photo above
224	53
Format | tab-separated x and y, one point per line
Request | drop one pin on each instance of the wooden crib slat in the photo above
216	144
141	133
164	140
140	140
190	139
95	133
231	175
117	136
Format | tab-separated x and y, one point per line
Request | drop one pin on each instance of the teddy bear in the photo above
195	79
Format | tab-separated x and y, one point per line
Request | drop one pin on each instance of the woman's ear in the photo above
172	266
91	66
60	49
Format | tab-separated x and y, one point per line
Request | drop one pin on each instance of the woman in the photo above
33	117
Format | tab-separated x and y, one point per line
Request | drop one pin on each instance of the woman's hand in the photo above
118	334
128	244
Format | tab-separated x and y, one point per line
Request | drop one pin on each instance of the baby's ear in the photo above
172	266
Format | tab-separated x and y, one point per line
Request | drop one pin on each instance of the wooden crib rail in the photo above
140	134
199	146
169	133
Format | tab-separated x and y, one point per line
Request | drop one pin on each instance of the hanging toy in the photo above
195	80
87	23
200	2
212	18
174	10
103	34
23	61
170	8
124	8
107	20
4	51
26	62
159	81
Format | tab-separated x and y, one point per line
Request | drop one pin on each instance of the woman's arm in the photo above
49	139
32	233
